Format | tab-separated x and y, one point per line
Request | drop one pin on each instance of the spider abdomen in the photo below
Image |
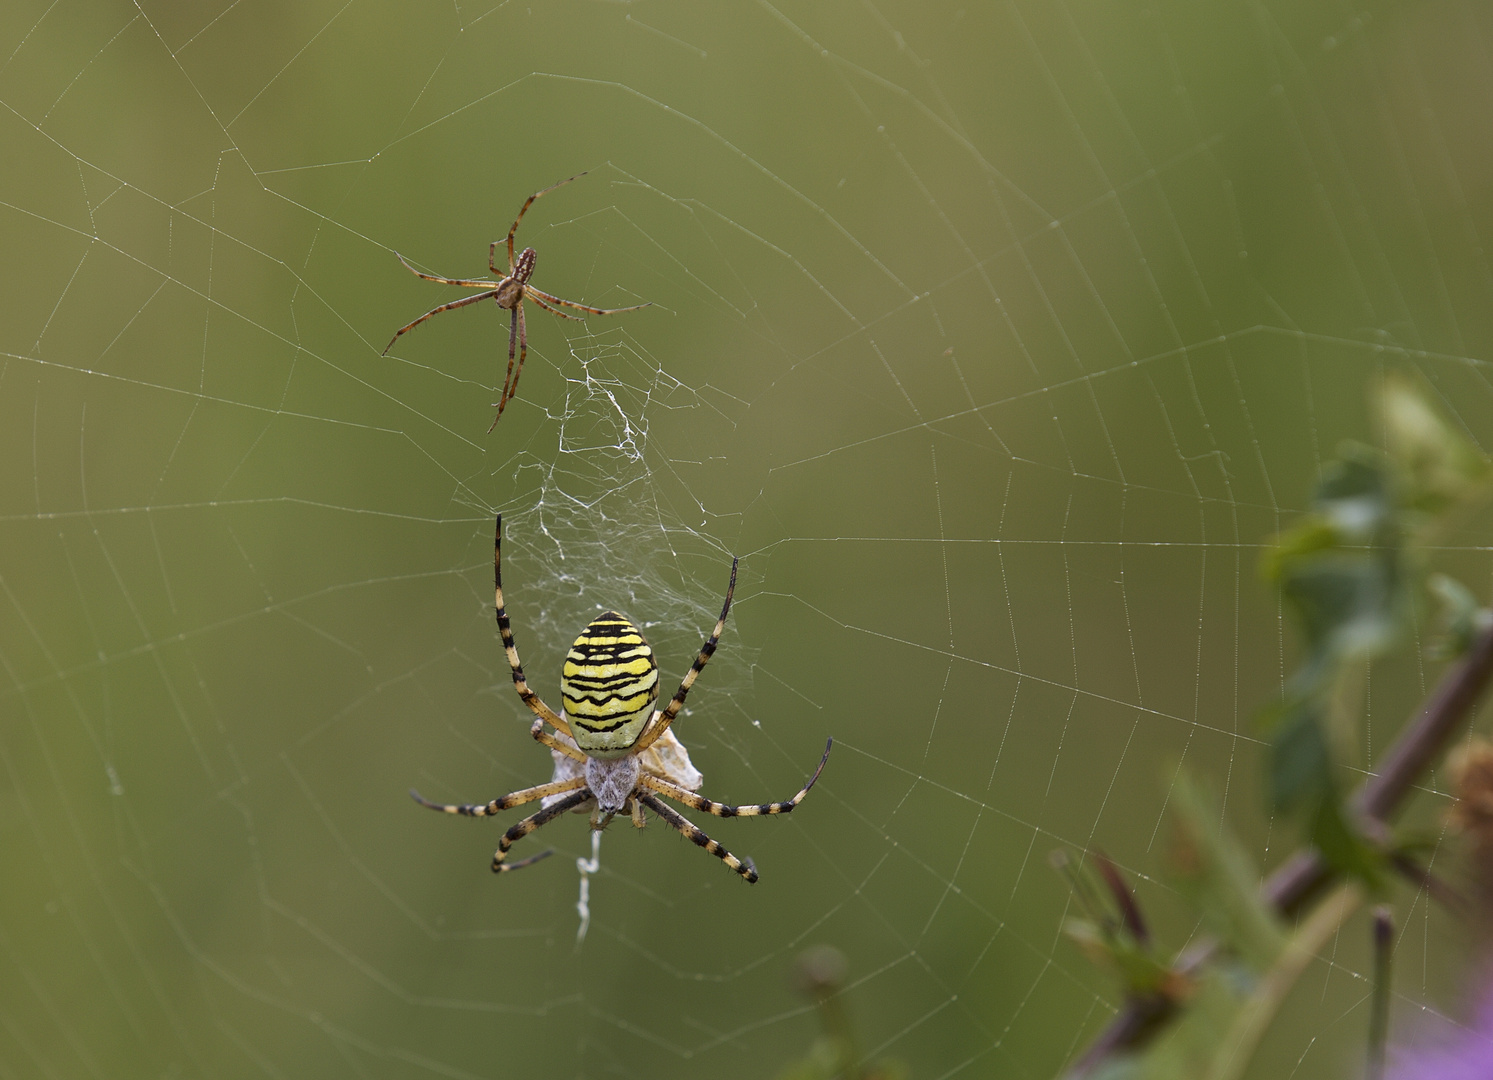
609	685
524	268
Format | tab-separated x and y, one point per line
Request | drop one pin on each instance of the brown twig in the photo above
1124	899
1438	890
1303	875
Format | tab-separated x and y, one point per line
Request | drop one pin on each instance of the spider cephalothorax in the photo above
613	750
612	781
510	291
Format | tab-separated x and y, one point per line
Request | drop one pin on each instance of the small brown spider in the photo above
510	292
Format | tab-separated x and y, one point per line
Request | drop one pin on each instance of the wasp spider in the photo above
606	738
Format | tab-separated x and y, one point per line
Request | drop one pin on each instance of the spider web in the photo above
994	340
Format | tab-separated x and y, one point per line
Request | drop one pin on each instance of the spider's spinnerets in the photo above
609	686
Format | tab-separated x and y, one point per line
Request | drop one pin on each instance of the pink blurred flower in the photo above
1463	1052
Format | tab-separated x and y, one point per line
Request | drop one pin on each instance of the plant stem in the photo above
1254	1018
1379	1016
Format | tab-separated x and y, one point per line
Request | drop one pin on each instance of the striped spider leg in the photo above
614	752
745	867
510	291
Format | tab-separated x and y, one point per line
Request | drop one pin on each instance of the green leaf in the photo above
1307	537
1140	972
1111	934
1354	495
1440	465
1351	605
1300	762
1340	567
1460	618
1343	846
1221	881
1194	1046
822	1062
1301	780
1221	1026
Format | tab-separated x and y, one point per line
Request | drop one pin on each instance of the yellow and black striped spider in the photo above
510	292
604	747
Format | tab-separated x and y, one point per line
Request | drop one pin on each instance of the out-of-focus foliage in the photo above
836	1054
1459	617
1226	1007
1220	881
1113	933
1350	571
1438	468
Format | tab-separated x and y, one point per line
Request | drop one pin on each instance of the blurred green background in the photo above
993	338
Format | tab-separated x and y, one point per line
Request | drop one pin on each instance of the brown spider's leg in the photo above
468	282
744	867
505	631
516	335
639	820
532	294
515	798
524	210
661	720
523	351
528	825
436	311
699	802
540	735
582	307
